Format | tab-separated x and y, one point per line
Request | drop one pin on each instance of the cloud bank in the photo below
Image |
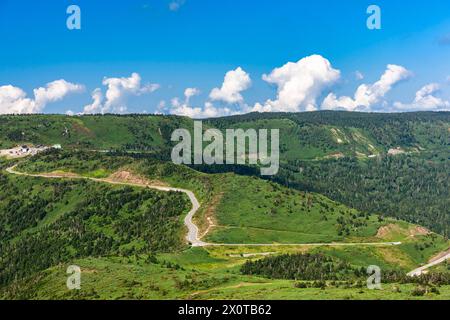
183	108
234	83
118	89
14	100
425	100
305	85
367	95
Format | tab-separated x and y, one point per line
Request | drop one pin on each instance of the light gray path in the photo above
193	231
192	236
417	272
331	244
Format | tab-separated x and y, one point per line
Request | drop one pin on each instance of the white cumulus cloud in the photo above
118	89
14	100
96	106
191	92
208	111
425	100
183	108
367	95
234	83
299	84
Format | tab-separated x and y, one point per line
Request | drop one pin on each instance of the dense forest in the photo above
318	267
389	130
49	222
301	267
405	187
413	186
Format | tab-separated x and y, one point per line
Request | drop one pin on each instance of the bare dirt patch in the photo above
59	174
396	151
337	155
125	176
391	230
89	271
418	231
78	128
210	215
237	286
388	230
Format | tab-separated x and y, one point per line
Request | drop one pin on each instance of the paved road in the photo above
191	237
417	272
331	244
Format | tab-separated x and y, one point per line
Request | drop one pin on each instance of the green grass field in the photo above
193	274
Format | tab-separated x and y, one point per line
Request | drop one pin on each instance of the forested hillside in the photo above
47	222
303	135
387	130
337	184
135	132
406	187
343	155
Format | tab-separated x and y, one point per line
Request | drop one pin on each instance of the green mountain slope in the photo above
136	236
337	193
345	156
319	151
143	133
303	135
45	222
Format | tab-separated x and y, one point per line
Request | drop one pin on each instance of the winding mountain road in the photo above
191	237
193	232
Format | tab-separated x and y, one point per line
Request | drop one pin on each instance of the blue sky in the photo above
195	45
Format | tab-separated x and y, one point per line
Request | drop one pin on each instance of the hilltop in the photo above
304	136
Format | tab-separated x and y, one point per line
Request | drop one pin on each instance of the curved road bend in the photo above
191	237
193	231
